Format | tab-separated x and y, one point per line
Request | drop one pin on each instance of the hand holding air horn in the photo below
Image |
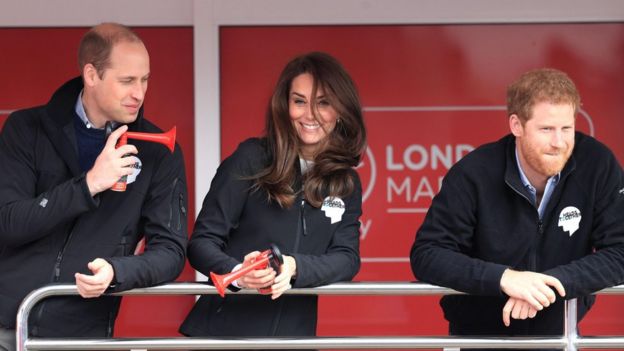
272	257
167	139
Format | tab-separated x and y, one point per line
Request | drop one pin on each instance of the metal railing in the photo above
569	341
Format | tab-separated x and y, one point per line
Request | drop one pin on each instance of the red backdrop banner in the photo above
35	62
430	94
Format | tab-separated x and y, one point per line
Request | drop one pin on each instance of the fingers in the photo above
110	165
90	286
530	299
115	135
517	309
507	311
250	258
255	279
282	281
533	288
125	150
532	312
555	283
280	285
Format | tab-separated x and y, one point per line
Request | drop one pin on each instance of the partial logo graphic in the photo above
136	169
333	207
367	169
570	219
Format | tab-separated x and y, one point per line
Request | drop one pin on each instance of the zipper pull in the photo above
303	220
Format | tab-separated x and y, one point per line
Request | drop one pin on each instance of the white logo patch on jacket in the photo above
333	207
570	219
136	169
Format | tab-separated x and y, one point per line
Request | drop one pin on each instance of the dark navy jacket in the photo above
234	220
482	222
50	226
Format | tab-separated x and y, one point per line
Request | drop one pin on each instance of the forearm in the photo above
313	270
456	270
26	220
594	272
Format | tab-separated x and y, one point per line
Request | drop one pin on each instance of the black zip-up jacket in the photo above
483	222
50	226
234	220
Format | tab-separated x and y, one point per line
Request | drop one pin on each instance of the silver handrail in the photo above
570	340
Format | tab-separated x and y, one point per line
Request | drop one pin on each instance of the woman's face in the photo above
310	130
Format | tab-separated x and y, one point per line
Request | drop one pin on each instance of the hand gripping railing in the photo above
570	340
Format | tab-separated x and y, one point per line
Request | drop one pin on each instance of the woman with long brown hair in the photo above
296	188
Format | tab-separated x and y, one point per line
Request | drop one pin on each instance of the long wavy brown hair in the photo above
331	173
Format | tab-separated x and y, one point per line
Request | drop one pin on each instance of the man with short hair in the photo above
59	221
524	222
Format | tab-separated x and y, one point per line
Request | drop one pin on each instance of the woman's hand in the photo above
257	278
282	281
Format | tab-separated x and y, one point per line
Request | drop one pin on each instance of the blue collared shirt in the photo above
80	111
551	183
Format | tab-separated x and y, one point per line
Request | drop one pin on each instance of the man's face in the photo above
546	140
119	93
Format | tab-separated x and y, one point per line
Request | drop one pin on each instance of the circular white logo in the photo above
570	219
136	169
333	207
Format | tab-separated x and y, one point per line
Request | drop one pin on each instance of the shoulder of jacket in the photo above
588	148
26	120
249	157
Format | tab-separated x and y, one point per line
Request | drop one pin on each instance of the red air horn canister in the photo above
167	139
272	257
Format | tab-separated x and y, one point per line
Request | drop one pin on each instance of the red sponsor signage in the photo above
37	61
431	94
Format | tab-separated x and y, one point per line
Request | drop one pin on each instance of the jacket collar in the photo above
512	173
59	122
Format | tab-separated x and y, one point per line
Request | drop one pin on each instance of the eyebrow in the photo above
320	97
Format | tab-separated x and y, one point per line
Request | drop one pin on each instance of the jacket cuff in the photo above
492	278
299	280
119	273
93	202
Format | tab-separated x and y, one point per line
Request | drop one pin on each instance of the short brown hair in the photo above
540	85
96	45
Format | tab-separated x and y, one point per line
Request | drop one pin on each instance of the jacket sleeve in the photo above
605	266
164	224
439	254
341	260
220	212
26	213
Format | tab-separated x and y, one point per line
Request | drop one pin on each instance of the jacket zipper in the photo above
540	231
56	273
182	209
301	227
59	258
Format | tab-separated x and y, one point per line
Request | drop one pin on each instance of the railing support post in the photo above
570	330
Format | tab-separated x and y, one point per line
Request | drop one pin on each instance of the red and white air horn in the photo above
167	139
272	257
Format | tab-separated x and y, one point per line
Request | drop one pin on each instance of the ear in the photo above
515	125
90	75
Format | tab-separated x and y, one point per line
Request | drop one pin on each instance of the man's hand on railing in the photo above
95	285
531	287
517	309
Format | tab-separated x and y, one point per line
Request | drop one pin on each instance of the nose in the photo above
309	112
558	140
138	91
